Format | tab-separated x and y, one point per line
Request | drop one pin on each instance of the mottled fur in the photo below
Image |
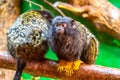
26	38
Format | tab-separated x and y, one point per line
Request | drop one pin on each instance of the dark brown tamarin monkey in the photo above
73	43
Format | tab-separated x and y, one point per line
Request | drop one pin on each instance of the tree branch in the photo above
49	69
61	13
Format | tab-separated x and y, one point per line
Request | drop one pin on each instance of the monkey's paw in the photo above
61	66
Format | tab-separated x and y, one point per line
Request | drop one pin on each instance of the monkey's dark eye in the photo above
56	25
64	25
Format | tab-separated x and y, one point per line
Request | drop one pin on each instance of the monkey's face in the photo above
63	25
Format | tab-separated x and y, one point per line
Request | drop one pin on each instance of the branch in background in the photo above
57	9
49	3
102	13
29	1
49	69
9	11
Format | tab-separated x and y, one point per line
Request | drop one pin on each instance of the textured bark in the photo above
102	13
4	74
49	69
9	10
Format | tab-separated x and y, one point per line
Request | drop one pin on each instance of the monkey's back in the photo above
90	50
26	38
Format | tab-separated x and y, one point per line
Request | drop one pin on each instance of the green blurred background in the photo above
109	48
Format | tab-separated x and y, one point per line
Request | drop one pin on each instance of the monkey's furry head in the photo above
64	25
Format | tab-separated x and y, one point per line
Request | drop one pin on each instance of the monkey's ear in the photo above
73	24
72	20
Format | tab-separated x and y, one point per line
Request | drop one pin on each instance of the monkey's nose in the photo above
60	30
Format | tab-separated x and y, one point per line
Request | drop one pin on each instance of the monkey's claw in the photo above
61	66
69	67
68	70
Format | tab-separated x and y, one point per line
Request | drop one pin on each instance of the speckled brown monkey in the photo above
73	43
26	38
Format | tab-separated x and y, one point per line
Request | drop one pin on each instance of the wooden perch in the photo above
102	13
49	69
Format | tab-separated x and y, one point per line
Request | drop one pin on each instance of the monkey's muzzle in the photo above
59	30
